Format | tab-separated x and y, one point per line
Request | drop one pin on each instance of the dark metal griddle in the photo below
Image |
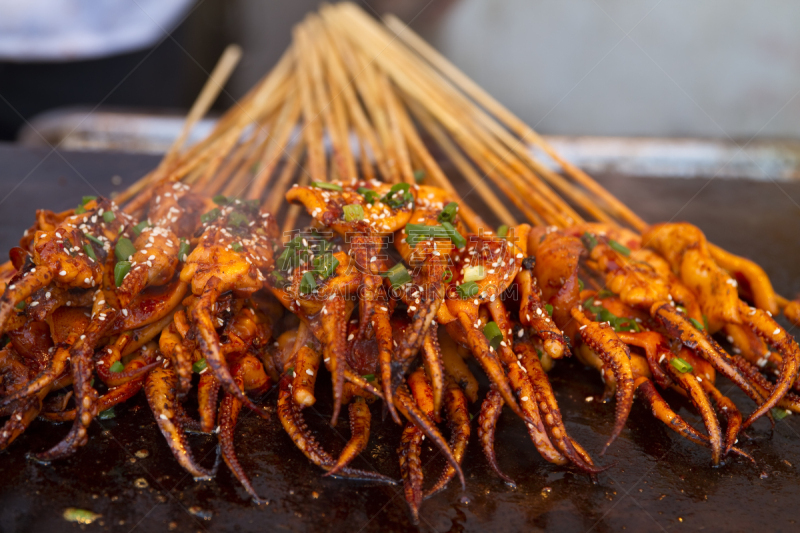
659	481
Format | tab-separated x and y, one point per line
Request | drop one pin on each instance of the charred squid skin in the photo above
81	366
228	415
209	343
725	407
776	336
688	382
408	407
294	425
207	394
490	411
455	402
161	391
360	417
679	327
601	338
661	410
408	454
550	412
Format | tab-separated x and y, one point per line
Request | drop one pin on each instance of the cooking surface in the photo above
659	482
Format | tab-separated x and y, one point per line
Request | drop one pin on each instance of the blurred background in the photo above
603	76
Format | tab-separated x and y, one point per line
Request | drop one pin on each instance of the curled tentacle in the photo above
160	389
171	345
334	323
21	288
725	407
491	408
23	413
359	434
662	411
54	369
601	338
455	403
432	357
533	315
383	334
411	467
689	383
455	367
207	393
306	366
413	338
769	330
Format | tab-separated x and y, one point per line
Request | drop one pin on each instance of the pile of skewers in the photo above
186	286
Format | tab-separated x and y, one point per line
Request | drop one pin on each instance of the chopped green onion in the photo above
81	516
199	366
117	367
625	324
549	309
680	365
458	240
221	199
121	270
539	353
237	247
93	239
605	293
237	219
325	265
307	283
124	249
325	185
696	323
449	213
86	199
369	195
108	414
419	176
468	290
280	279
183	250
290	370
20	306
502	231
581	286
80	210
447	277
493	334
138	228
780	414
211	216
109	216
474	273
89	251
398	275
588	240
621	248
369	377
395	200
705	323
353	212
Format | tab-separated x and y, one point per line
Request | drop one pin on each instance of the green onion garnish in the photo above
468	290
290	370
369	195
183	250
20	306
474	273
220	199
549	309
199	366
680	365
419	176
502	231
86	199
89	251
93	239
124	249
117	367
458	240
121	270
398	275
398	195
353	212
588	240
307	283
138	228
624	250
325	185
696	323
237	219
81	516
211	216
369	377
449	213
581	286
108	414
109	217
493	334
80	210
237	247
325	265
780	414
447	277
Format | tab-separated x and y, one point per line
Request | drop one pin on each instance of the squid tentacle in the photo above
458	417
490	411
207	394
725	407
334	322
360	417
383	334
432	357
408	454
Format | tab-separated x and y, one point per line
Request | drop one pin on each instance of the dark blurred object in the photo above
168	74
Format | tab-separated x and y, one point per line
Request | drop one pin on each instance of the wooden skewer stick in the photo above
275	195
312	130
